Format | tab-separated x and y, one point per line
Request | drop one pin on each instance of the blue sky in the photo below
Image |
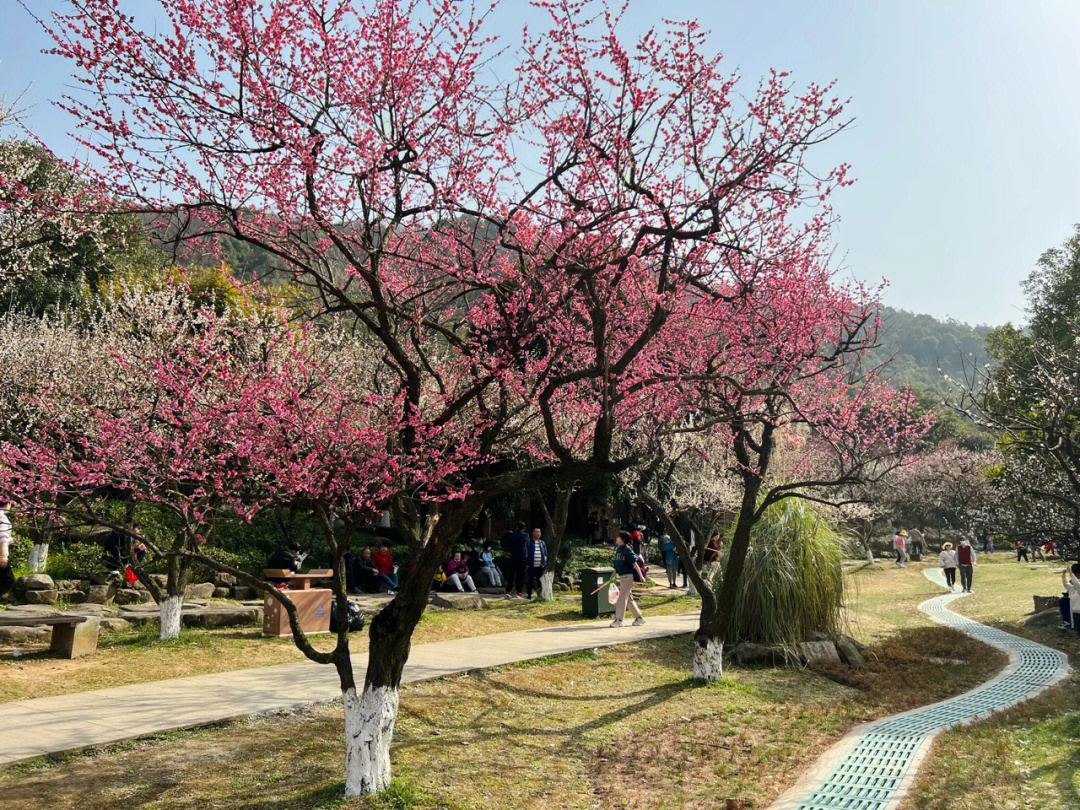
965	145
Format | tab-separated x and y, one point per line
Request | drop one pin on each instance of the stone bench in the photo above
73	636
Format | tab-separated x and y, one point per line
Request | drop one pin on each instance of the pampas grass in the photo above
793	582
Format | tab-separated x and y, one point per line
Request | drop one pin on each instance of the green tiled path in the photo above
873	766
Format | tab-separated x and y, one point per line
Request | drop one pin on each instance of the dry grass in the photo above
137	656
617	728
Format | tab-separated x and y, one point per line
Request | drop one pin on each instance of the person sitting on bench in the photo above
286	558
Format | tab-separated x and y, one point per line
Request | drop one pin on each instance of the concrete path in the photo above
873	767
31	728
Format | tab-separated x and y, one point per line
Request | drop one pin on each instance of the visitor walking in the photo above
671	558
966	562
625	563
900	547
536	555
948	565
7	578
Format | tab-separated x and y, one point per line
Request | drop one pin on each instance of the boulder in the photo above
36	582
161	579
858	645
458	601
1044	618
73	597
221	592
202	591
748	653
115	623
243	592
130	596
1045	603
849	653
101	594
220	616
25	635
817	652
223	580
72	585
48	597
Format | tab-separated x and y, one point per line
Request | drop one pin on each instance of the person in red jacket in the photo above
966	561
384	561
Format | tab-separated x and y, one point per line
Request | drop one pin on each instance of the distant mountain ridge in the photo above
920	345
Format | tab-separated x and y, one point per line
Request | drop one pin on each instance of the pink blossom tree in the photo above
792	412
525	312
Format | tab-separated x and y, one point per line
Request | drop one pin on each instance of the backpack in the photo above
355	614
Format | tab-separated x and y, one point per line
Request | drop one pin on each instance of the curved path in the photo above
873	767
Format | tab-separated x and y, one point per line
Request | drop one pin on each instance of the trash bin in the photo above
595	604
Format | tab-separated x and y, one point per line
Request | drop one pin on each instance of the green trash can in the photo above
595	604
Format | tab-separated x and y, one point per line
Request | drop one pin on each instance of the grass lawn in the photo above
136	656
622	727
1029	757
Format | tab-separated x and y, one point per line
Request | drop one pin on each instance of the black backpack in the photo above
356	616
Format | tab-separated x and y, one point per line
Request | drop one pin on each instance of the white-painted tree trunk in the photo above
708	661
870	555
369	728
547	586
39	553
170	617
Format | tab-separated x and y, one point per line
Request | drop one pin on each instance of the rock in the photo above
849	653
101	578
115	623
203	590
749	653
1044	618
36	582
1045	603
858	645
130	596
223	580
72	597
161	579
101	594
243	592
817	652
72	585
458	601
220	616
48	597
221	592
25	635
92	610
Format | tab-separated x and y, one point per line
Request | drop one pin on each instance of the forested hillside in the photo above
922	347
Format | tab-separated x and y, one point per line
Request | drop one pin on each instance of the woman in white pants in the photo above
624	563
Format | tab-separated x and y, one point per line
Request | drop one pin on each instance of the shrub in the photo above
74	560
793	584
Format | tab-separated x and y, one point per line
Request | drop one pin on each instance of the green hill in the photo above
920	347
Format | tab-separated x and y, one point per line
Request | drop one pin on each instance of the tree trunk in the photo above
39	554
369	723
547	586
556	526
169	611
369	729
708	660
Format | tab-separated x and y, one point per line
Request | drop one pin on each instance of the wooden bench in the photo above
74	636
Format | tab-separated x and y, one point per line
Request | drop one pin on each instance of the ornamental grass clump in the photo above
793	583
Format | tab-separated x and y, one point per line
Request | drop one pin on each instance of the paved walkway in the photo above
31	728
873	767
